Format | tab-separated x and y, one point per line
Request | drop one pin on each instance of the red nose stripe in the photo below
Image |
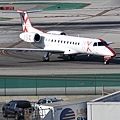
113	52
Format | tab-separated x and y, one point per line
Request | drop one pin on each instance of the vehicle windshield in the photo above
41	101
103	43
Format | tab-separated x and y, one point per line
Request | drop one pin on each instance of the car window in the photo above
23	104
11	103
41	101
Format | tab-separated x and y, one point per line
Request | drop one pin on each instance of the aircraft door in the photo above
95	48
87	47
84	46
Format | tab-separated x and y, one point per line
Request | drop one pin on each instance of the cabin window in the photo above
51	40
64	41
73	43
55	40
67	42
78	43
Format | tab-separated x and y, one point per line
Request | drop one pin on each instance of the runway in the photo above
72	22
30	63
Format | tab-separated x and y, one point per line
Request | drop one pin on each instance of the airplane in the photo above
57	42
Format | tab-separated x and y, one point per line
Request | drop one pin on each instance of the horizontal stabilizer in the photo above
21	11
110	43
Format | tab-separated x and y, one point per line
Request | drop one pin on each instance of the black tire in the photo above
71	57
46	59
4	113
106	62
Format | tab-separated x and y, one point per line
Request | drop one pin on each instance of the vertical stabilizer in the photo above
25	20
26	24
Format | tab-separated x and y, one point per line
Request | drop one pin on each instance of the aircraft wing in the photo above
32	50
54	49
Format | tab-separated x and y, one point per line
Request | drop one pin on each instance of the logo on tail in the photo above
26	24
25	20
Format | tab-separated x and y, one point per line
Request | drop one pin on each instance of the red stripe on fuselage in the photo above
113	52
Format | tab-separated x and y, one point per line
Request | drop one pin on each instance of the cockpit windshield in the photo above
103	43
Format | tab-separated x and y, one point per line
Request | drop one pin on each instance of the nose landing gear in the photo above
106	60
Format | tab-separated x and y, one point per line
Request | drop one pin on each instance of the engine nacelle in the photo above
56	32
30	37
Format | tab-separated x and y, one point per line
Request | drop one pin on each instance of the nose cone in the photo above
111	52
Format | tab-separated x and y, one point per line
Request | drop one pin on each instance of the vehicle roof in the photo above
70	102
51	99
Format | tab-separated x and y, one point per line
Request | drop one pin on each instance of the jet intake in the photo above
37	38
30	37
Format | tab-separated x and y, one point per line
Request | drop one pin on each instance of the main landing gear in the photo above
46	57
71	57
106	60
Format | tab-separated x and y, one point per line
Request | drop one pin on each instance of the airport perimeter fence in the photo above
59	84
28	115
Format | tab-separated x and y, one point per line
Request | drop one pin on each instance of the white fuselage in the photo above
73	45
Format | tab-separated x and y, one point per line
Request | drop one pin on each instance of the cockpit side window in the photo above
95	44
102	44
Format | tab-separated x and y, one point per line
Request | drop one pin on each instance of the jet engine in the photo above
30	37
37	38
56	32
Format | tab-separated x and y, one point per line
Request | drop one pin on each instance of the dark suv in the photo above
16	108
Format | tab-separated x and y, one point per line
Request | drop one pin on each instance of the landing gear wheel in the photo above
46	57
71	57
106	62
